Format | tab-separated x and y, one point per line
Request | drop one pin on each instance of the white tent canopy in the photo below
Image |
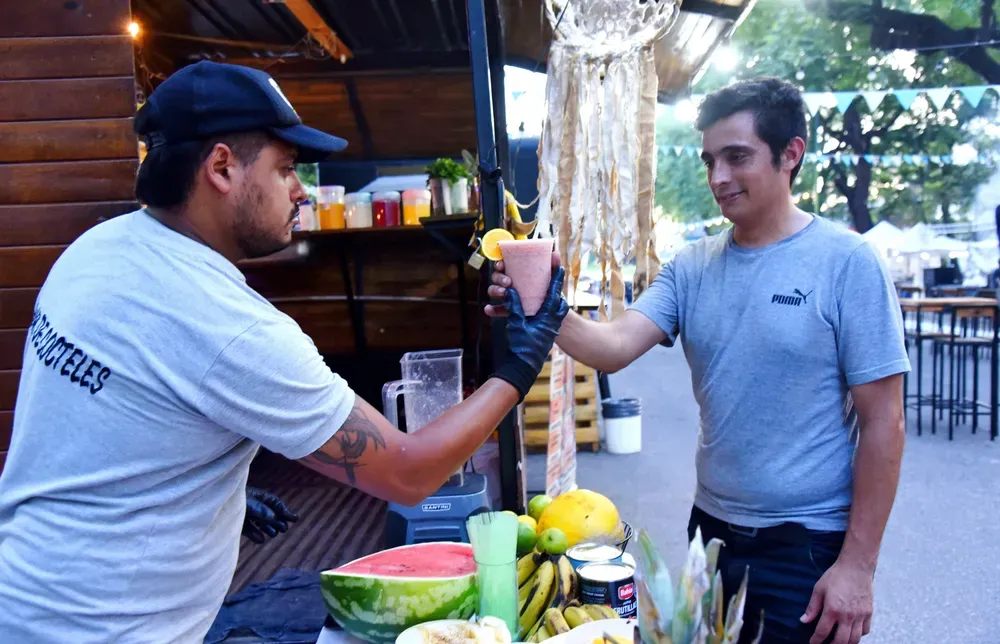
921	239
884	236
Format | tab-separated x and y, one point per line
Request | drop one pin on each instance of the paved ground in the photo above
939	575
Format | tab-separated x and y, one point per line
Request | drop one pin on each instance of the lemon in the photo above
553	541
528	521
490	248
526	538
537	504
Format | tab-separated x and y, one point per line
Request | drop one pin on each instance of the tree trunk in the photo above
945	211
857	201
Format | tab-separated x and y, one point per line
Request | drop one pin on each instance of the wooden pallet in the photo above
536	410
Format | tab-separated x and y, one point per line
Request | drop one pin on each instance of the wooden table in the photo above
954	305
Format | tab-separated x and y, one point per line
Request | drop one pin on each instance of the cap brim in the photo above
313	146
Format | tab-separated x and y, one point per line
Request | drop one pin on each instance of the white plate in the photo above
587	633
412	635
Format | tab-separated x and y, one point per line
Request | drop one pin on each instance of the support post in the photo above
481	27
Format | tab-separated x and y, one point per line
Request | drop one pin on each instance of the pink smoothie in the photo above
528	264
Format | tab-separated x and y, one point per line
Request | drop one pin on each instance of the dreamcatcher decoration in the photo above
597	152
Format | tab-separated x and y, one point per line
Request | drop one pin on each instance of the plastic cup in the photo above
528	264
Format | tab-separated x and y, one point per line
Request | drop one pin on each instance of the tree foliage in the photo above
826	45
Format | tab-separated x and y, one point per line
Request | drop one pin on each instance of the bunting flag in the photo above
825	159
938	97
906	97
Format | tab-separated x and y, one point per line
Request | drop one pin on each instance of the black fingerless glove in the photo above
529	339
266	515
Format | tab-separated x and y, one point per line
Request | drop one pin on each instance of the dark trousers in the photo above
785	563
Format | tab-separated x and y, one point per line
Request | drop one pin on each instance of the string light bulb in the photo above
133	29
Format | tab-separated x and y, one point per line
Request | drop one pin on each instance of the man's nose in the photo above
719	175
298	192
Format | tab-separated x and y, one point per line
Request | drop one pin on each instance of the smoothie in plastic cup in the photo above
528	264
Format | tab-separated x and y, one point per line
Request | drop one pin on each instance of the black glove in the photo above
529	339
266	515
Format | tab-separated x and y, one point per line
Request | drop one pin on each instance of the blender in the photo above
431	384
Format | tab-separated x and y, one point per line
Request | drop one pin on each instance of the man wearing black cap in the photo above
152	374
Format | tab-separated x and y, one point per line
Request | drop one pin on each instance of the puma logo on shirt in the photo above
792	300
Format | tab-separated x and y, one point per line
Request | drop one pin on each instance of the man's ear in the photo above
793	153
217	168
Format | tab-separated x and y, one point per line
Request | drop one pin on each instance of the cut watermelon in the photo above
379	596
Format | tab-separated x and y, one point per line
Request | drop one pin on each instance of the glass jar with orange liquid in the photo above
330	208
416	205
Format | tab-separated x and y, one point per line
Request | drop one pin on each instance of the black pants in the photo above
785	563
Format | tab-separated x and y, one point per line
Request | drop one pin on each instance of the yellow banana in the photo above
565	580
598	612
517	226
541	634
555	622
575	616
538	598
526	567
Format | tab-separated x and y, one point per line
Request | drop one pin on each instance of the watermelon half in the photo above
379	596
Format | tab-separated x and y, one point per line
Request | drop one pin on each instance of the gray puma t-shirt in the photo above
775	337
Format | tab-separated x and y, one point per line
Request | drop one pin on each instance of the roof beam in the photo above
318	29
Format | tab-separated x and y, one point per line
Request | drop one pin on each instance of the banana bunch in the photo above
515	225
548	591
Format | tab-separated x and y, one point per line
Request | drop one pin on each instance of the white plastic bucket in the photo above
622	425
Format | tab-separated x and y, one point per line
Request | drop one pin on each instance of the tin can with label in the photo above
609	583
584	553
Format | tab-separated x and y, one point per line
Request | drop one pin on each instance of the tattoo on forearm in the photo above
353	439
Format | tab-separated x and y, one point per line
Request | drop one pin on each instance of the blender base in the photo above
439	517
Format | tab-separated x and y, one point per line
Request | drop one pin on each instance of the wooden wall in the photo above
67	151
407	116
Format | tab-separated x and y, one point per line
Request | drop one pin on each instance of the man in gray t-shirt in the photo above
794	336
153	373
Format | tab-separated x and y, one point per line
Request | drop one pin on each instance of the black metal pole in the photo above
492	202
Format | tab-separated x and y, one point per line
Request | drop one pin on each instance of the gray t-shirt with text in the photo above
152	375
775	337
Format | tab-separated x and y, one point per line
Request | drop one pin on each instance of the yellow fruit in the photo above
528	521
581	515
490	247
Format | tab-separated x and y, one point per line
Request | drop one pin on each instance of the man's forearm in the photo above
595	344
876	477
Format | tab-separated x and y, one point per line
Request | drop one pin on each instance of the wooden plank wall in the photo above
409	116
67	151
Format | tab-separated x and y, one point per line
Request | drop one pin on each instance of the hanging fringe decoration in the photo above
597	151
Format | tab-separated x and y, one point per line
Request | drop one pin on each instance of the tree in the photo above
791	41
938	26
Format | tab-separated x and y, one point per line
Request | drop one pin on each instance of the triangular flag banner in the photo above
908	158
874	99
678	150
973	94
813	102
936	158
905	97
947	159
848	161
692	152
870	158
844	100
939	96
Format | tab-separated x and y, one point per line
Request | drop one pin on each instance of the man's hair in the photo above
166	176
779	113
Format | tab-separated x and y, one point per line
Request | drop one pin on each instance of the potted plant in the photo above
449	184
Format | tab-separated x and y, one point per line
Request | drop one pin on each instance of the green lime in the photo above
553	541
526	538
510	512
537	504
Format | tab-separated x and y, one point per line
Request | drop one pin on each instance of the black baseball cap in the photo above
207	99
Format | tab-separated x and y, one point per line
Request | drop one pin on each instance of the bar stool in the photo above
916	334
971	334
